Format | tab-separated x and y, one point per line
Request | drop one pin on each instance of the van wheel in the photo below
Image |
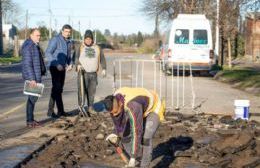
167	71
204	73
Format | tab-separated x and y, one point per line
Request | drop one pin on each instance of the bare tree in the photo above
10	11
169	9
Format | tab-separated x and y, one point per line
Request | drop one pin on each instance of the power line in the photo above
84	16
85	9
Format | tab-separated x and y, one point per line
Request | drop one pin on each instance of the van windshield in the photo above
181	36
200	37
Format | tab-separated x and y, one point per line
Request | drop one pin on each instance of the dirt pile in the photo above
182	141
83	141
210	141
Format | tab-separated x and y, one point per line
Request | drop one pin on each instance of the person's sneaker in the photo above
63	114
50	112
29	124
36	124
55	116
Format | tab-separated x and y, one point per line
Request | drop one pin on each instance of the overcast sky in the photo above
119	16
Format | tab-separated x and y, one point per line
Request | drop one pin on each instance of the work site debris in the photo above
181	141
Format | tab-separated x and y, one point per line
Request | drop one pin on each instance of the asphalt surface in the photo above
209	95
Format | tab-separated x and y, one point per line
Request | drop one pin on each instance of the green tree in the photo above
122	39
100	38
76	34
131	39
107	33
44	32
140	38
115	37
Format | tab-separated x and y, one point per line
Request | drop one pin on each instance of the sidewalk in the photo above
16	150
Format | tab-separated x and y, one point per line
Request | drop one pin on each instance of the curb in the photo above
10	63
38	150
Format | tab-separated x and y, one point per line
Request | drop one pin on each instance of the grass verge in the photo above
241	78
7	60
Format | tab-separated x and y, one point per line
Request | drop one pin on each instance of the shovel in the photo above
82	95
113	139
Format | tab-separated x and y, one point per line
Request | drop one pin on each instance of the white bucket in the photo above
242	109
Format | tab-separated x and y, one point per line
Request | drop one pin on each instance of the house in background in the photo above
9	34
252	36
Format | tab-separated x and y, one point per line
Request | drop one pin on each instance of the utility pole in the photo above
26	25
79	30
217	34
156	30
50	29
72	33
1	30
69	19
56	25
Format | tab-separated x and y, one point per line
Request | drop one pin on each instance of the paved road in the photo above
211	96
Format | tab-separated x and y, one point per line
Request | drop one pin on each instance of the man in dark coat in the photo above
32	70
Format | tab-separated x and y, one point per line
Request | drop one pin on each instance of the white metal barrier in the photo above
136	69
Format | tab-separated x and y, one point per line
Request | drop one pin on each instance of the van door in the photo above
200	46
181	45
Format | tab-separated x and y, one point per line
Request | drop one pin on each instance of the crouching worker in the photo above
136	114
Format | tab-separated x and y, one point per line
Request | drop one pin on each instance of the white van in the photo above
190	42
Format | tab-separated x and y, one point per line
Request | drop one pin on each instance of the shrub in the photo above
149	46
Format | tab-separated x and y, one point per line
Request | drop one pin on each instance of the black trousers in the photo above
58	78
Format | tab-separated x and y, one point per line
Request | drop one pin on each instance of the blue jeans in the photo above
30	108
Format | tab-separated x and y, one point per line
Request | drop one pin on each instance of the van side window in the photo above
181	36
200	37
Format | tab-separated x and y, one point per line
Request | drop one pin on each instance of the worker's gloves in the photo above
104	73
131	163
113	139
78	68
68	67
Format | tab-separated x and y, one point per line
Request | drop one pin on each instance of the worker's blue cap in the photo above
104	105
99	107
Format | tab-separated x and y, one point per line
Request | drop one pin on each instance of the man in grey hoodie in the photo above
59	57
88	59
